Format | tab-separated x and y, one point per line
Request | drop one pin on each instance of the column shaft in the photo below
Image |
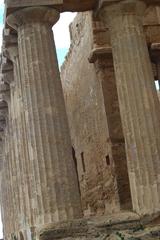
19	157
105	73
9	180
27	177
138	101
45	117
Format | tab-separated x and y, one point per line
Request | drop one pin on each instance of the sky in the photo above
62	40
62	36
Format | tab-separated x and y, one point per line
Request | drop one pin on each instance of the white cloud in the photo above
1	2
61	30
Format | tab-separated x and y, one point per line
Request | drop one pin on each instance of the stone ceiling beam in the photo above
61	5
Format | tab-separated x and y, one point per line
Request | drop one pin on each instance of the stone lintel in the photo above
103	3
29	3
60	5
99	51
73	5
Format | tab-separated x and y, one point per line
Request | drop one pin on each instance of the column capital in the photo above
124	7
41	14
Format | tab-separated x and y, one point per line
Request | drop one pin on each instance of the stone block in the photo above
25	3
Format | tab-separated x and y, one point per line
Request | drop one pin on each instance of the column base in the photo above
126	225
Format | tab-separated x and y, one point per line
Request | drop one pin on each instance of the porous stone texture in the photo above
138	102
91	84
97	142
57	195
101	56
46	175
36	138
8	183
26	183
61	5
124	226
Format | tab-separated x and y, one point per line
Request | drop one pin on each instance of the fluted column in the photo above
26	166
4	186
138	101
8	182
45	116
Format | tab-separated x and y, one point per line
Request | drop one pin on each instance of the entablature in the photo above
61	5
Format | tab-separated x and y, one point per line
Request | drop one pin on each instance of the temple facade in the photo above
80	147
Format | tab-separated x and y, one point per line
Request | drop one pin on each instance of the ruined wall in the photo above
88	124
93	112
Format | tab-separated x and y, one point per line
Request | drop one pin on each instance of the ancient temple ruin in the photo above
80	147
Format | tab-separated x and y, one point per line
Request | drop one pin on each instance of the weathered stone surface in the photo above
42	177
138	102
26	180
45	117
124	226
98	145
61	5
105	74
26	3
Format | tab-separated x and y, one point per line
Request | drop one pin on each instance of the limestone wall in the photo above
94	117
88	124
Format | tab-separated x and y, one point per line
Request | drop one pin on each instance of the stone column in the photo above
8	183
138	101
45	116
26	169
3	179
105	73
101	56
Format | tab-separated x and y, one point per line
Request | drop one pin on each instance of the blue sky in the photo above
61	53
62	40
62	36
